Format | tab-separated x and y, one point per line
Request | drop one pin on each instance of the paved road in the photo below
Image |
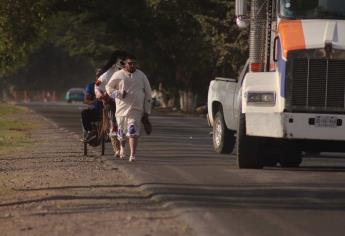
178	165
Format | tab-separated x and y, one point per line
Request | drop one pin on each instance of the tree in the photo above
202	41
52	68
20	31
182	44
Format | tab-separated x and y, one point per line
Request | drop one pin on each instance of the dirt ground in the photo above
52	189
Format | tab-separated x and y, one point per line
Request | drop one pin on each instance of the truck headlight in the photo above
261	98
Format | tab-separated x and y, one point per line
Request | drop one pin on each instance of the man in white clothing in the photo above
132	93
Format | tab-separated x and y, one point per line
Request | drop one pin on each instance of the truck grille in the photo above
316	85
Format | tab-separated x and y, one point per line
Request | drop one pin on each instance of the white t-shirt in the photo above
138	92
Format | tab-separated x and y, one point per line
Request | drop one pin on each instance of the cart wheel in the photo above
85	149
84	135
102	145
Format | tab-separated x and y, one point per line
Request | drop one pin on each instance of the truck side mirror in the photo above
241	8
241	23
241	13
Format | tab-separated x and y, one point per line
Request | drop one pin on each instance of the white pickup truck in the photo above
223	103
222	116
223	107
228	121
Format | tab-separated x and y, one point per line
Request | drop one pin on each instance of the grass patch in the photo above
7	109
13	128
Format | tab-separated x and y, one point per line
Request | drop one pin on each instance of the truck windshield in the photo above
312	9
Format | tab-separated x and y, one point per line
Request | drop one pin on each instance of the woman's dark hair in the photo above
130	56
112	60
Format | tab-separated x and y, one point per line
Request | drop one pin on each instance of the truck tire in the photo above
248	148
291	157
270	152
269	159
223	139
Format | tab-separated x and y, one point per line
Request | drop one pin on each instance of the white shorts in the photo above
129	126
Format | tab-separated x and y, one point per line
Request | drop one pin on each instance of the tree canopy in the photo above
182	44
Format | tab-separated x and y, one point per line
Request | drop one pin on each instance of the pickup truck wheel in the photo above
223	139
248	148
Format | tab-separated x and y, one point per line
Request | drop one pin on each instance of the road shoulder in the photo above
51	189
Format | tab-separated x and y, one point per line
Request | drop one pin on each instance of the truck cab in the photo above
292	96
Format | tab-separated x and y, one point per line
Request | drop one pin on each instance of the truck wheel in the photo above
312	154
291	156
269	159
271	153
248	148
223	139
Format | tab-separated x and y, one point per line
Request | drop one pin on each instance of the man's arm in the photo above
112	87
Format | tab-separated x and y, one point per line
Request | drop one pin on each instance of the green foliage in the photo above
6	109
180	43
52	68
20	27
201	39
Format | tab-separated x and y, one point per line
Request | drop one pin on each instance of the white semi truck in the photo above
290	96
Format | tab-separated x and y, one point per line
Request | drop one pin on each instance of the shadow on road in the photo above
287	196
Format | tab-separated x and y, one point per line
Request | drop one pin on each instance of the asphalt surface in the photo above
177	163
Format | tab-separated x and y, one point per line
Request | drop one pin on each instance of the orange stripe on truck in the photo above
291	35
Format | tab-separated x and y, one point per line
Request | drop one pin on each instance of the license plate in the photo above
326	121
